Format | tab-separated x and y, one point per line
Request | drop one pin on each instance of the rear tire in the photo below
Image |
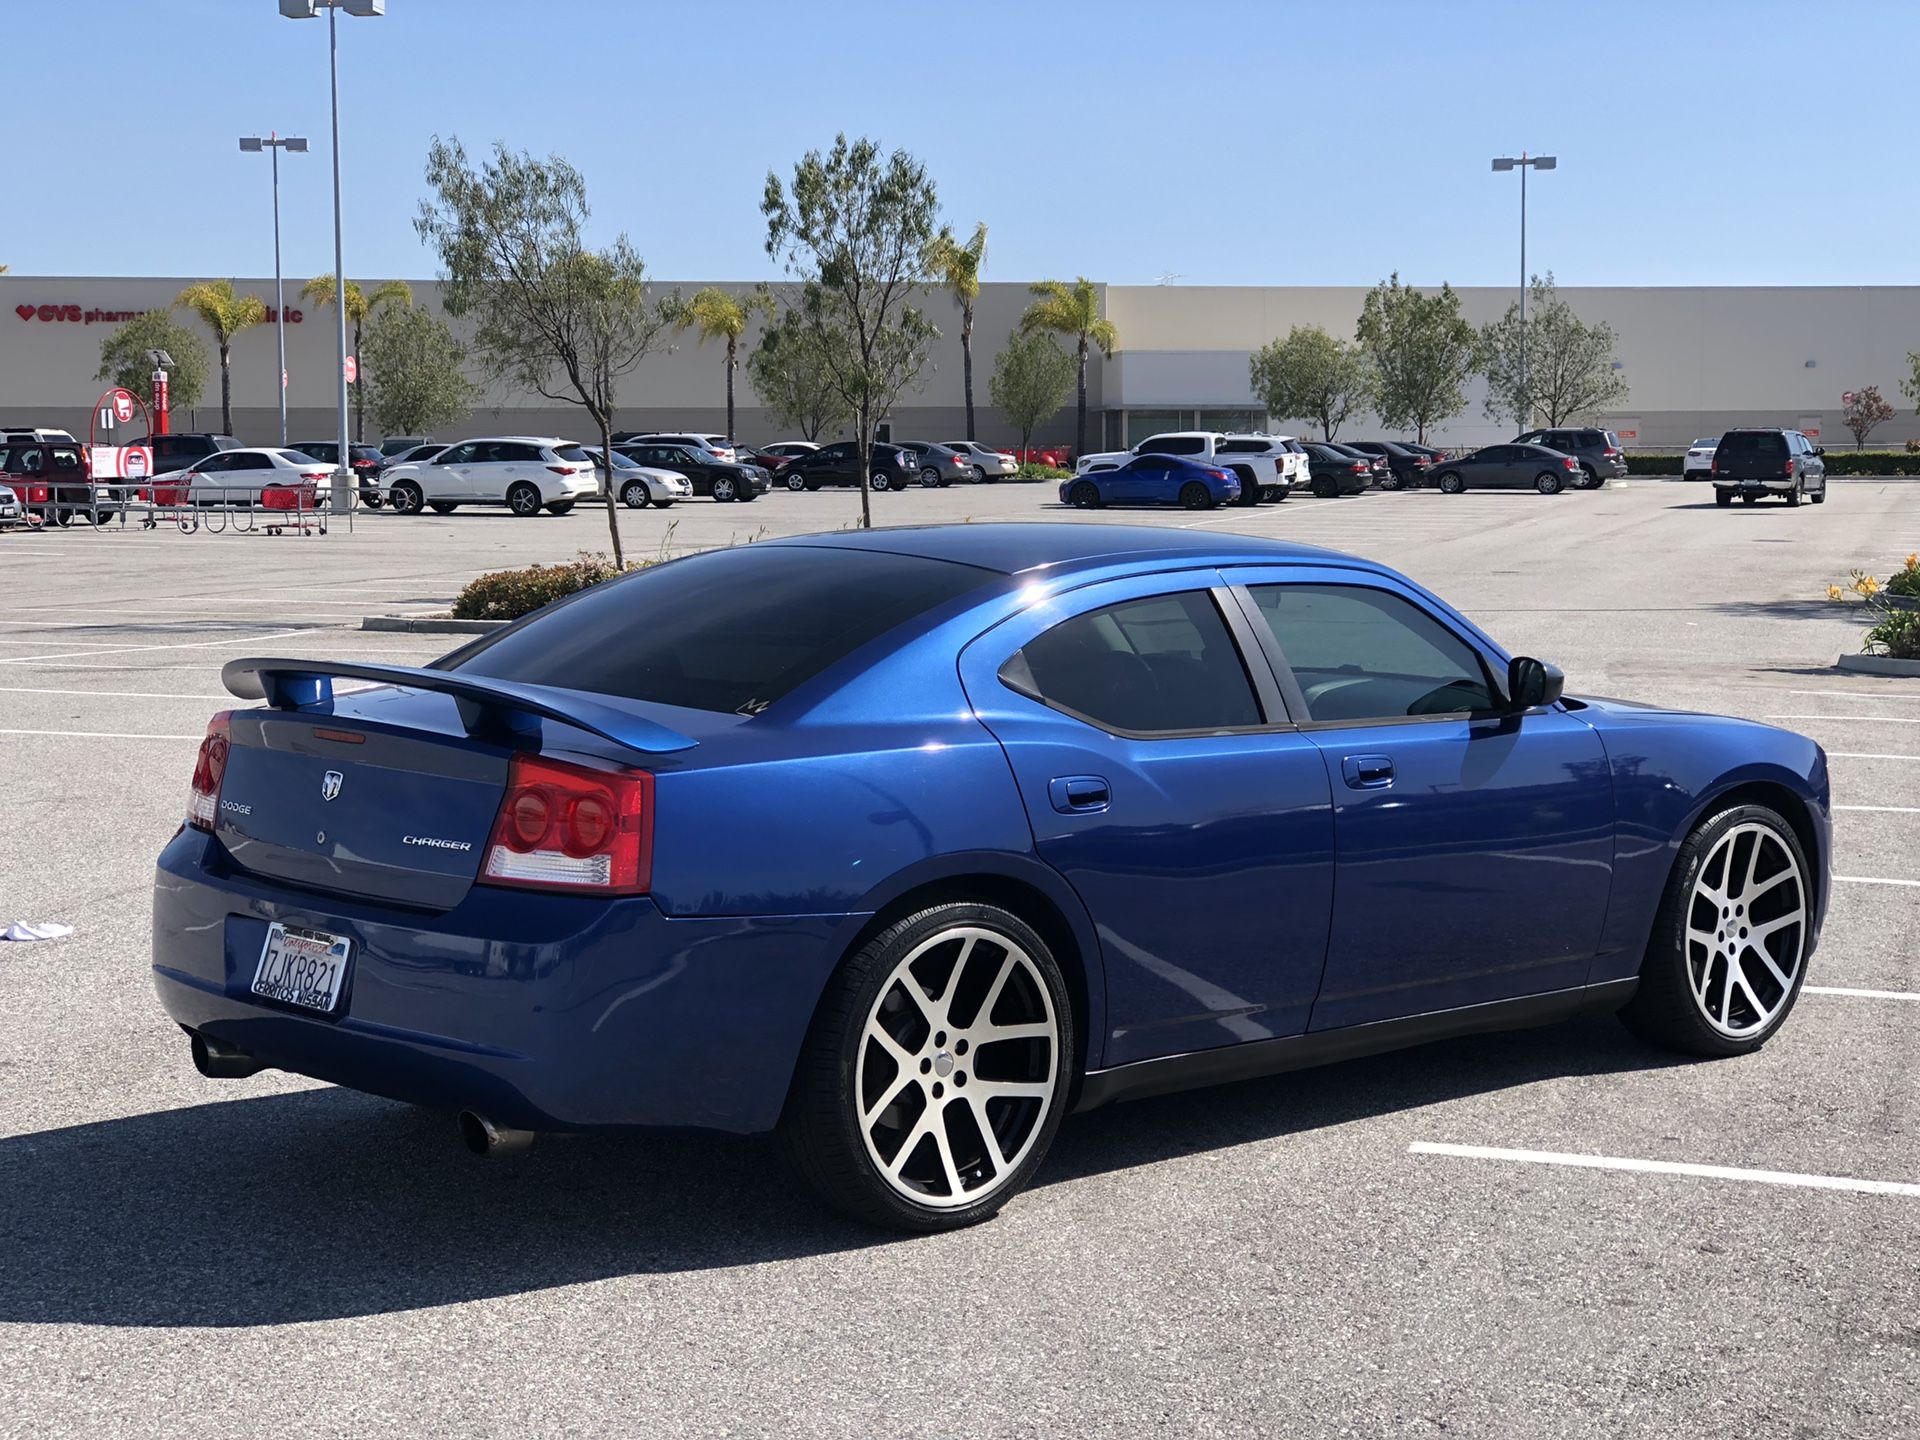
930	479
1723	498
797	483
1711	983
1453	483
1390	482
879	483
887	1112
1249	487
1547	483
1821	498
1324	490
407	497
1793	495
1195	496
523	499
1589	478
560	507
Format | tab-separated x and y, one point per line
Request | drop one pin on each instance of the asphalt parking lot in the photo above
183	1256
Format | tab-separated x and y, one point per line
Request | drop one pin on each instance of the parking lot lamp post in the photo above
1524	163
310	10
253	144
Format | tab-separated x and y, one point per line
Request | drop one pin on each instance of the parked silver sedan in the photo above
938	465
987	463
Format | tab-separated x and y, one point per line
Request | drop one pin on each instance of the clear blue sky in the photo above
1217	140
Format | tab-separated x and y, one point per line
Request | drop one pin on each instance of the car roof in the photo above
1013	548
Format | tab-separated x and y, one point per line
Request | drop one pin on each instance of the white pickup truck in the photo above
1266	467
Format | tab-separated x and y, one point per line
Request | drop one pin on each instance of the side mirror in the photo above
1819	449
1532	683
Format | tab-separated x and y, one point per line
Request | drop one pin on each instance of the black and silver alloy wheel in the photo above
724	488
930	478
936	1072
796	482
1729	949
880	481
1452	483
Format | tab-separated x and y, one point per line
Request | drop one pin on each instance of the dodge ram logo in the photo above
330	785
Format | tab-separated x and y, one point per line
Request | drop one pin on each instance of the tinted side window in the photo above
520	454
1165	663
1173	445
1363	654
749	625
1592	438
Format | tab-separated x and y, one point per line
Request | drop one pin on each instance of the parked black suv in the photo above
716	479
1781	463
179	450
1597	452
839	464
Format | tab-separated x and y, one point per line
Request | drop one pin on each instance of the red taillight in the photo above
1221	475
1610	452
561	469
569	827
1568	464
1787	469
316	474
209	769
1360	467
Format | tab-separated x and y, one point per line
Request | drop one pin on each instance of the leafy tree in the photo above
958	267
549	315
226	314
1073	310
792	381
124	362
1030	381
1311	375
858	232
1423	353
360	307
719	315
1555	369
413	373
1866	414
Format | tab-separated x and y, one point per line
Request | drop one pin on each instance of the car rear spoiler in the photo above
497	709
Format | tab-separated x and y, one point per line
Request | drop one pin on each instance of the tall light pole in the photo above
310	10
253	144
1523	164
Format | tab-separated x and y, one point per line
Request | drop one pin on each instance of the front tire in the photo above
1085	495
725	489
1730	942
523	500
936	1071
634	495
406	497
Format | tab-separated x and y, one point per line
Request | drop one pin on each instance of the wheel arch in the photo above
1776	793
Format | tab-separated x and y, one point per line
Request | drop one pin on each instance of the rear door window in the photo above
1158	665
1361	654
749	625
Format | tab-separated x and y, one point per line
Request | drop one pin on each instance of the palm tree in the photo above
226	314
360	308
1073	310
958	267
719	315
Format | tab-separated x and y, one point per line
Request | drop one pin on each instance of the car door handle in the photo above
1080	794
1367	772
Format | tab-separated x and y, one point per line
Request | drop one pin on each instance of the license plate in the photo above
302	967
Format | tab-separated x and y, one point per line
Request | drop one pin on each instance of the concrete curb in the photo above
1878	665
430	625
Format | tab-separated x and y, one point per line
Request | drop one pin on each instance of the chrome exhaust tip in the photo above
218	1061
484	1138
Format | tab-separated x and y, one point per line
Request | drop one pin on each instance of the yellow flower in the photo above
1867	585
1913	560
1834	592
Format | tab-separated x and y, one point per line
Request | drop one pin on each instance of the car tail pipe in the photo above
488	1140
217	1060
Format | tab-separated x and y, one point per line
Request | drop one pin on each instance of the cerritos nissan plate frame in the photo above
303	968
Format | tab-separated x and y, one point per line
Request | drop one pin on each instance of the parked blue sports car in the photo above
1153	480
904	843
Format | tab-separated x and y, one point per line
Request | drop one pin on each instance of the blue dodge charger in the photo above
903	844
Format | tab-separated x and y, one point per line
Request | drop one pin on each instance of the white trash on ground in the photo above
29	930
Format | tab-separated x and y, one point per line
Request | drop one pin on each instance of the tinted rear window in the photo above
1754	442
730	630
572	454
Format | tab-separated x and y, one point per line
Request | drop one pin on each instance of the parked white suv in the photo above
525	473
1264	466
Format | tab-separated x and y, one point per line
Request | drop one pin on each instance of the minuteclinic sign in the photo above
80	315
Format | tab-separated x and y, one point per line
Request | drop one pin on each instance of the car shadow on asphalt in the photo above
324	1204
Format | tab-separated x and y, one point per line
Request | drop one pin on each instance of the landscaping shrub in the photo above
1872	462
1033	471
1896	631
509	594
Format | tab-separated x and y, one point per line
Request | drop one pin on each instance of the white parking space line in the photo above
1884	809
1862	755
108	694
1871	880
1667	1167
1860	994
1856	694
100	735
1875	719
96	652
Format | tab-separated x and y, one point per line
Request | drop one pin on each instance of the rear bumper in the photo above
1772	485
544	1012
